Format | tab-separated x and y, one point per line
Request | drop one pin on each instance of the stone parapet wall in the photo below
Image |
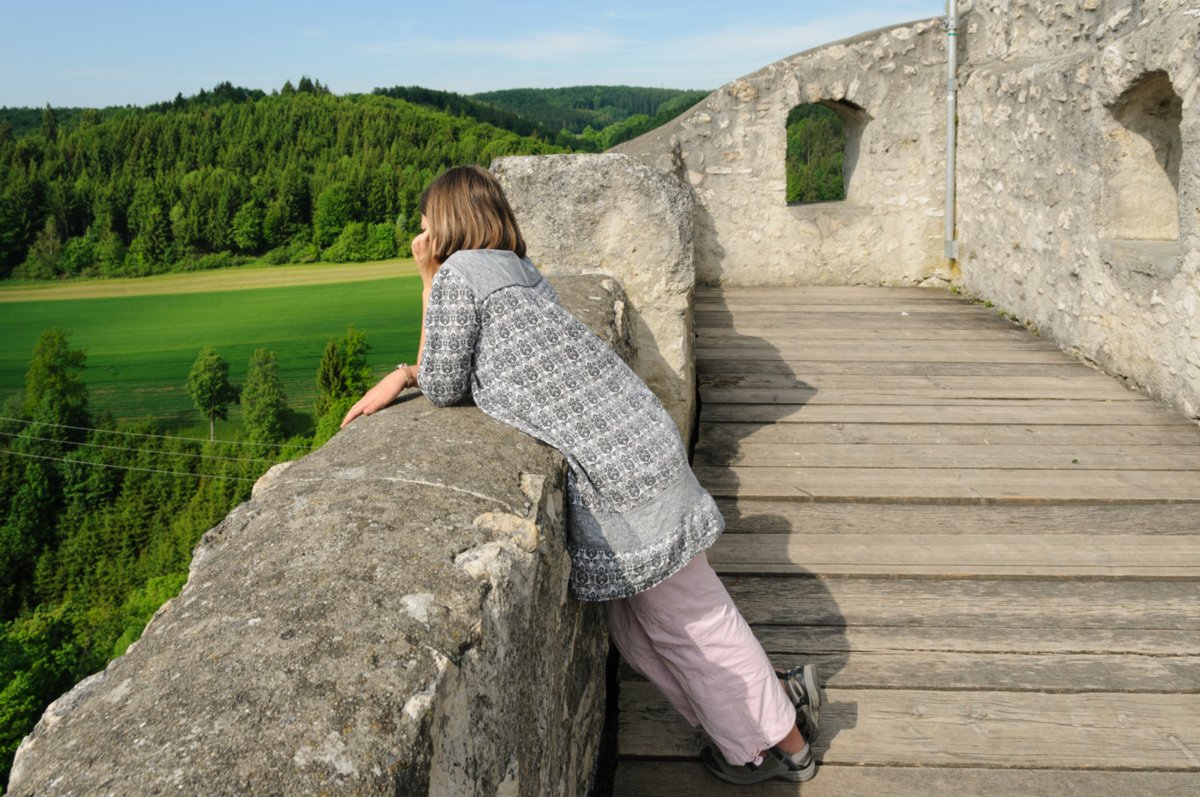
1079	180
889	88
388	615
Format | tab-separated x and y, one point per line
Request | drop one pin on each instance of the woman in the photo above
639	522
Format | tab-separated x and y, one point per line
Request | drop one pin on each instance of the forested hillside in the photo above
578	107
463	105
295	177
581	118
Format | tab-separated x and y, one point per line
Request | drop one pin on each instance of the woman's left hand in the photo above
384	393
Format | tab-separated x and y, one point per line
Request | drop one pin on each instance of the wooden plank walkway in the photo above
992	550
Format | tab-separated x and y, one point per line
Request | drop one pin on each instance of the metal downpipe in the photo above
951	248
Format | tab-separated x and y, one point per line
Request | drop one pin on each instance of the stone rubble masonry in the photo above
731	149
1080	203
388	615
1078	174
613	215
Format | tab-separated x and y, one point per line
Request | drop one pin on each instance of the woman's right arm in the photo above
391	386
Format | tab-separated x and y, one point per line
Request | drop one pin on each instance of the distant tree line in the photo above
635	125
463	105
580	119
98	520
579	107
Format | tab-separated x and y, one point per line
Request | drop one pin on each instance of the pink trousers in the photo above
688	639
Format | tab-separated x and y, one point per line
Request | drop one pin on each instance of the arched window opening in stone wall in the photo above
822	146
1143	148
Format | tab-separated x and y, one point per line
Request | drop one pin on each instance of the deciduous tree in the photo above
209	388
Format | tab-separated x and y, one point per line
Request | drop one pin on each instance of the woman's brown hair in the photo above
465	208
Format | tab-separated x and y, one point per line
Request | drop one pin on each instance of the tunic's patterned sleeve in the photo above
451	329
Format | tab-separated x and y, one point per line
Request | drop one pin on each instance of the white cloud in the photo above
547	45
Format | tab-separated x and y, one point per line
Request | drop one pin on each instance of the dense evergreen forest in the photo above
296	177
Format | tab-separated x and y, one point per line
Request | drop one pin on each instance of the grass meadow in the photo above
142	337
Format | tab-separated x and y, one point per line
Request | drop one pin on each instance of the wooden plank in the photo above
882	353
826	455
1080	381
835	317
863	304
734	330
1116	556
901	310
872	347
964	397
983	729
800	330
831	292
787	643
946	434
1013	604
811	370
951	485
1062	412
784	313
654	778
1057	673
766	516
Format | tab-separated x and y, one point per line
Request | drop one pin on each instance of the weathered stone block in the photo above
613	215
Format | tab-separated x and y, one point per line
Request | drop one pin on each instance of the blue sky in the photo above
117	52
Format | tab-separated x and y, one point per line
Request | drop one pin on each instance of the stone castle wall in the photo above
1079	179
731	150
1078	174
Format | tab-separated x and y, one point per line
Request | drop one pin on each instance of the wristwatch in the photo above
412	380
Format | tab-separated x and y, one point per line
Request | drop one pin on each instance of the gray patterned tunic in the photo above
494	330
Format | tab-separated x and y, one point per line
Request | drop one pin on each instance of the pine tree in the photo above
344	370
264	402
56	400
55	394
49	124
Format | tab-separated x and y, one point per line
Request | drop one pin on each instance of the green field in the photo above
140	348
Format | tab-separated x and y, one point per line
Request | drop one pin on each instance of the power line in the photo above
140	434
140	450
129	467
